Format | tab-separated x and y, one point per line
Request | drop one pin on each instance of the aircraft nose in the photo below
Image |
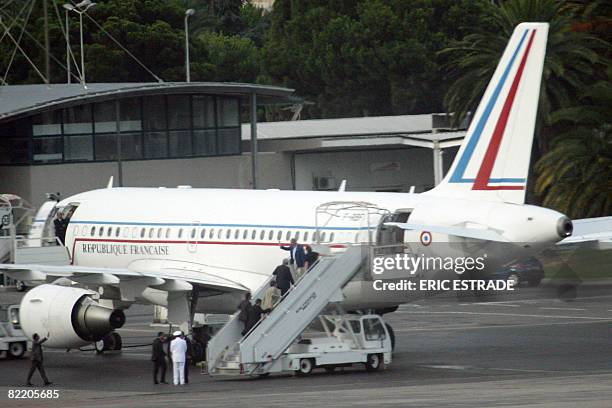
564	227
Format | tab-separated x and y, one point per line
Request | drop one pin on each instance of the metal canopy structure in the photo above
22	100
429	131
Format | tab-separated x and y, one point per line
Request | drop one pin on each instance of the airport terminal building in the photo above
66	138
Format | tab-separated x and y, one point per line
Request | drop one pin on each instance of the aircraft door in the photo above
388	237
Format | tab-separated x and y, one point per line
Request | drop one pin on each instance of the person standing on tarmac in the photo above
37	360
159	359
178	350
188	358
284	279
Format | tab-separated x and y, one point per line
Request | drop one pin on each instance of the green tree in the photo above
365	57
575	175
572	57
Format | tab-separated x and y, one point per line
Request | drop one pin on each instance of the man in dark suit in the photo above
284	279
37	360
159	358
297	256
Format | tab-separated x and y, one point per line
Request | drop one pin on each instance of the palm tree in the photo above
571	56
575	176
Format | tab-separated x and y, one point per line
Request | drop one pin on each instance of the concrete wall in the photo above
368	170
32	182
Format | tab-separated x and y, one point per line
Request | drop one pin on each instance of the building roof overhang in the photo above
23	100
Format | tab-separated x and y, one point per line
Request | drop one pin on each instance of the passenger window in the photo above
117	232
306	236
101	232
331	237
134	232
236	234
219	233
203	233
167	233
93	231
253	234
159	233
193	233
279	235
245	234
262	234
297	236
323	236
212	233
180	233
110	231
287	236
228	233
151	232
142	232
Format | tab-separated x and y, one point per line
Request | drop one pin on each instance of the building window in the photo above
130	114
205	142
154	117
227	112
78	120
179	112
203	111
78	148
156	145
106	147
47	123
180	143
228	141
47	149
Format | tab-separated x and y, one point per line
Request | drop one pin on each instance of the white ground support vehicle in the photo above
13	341
350	339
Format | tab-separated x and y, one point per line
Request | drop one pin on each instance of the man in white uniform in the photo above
178	350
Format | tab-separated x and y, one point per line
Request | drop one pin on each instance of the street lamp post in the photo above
80	8
68	64
188	13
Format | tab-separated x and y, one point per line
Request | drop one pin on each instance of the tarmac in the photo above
529	349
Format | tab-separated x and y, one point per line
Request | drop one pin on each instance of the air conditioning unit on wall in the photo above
324	183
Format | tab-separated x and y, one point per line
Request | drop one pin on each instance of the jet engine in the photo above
70	317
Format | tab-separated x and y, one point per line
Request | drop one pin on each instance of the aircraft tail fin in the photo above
493	161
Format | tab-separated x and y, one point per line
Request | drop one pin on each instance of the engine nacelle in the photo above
70	316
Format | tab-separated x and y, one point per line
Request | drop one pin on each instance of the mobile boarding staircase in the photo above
257	353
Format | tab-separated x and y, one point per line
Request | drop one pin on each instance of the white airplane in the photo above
200	249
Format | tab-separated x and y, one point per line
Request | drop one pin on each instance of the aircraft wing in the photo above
172	276
592	232
475	233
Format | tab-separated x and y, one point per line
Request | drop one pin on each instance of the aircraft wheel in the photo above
391	335
306	366
17	350
20	286
117	341
515	279
375	362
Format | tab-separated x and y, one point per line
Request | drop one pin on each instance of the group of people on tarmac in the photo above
302	257
180	352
